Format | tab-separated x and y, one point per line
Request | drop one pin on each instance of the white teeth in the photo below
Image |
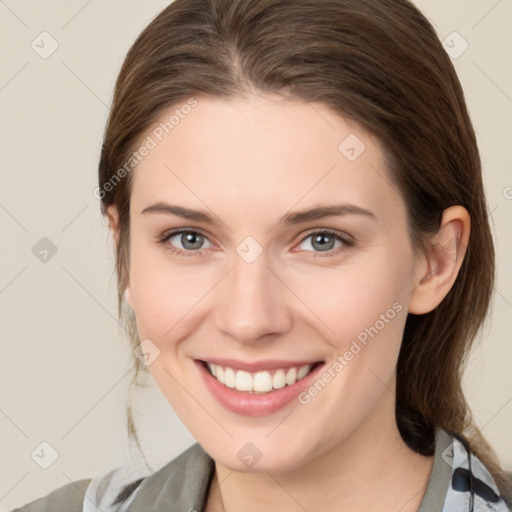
243	381
303	371
219	373
291	376
260	382
230	378
279	380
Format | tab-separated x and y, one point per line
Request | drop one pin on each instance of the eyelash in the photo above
347	243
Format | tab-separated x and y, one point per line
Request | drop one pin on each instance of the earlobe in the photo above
443	261
113	224
128	296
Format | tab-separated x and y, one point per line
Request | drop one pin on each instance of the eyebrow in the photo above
289	219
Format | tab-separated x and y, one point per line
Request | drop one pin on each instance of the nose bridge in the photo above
254	302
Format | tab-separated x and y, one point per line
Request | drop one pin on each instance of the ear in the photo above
442	263
113	225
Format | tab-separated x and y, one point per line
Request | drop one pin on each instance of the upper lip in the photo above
255	366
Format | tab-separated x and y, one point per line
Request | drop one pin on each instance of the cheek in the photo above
355	296
365	312
165	294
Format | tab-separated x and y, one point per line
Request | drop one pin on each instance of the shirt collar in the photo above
180	485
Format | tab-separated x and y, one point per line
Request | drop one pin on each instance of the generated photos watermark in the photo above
356	347
149	143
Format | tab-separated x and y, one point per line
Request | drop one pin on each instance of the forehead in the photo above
261	152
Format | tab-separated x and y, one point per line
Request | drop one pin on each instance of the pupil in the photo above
322	246
189	238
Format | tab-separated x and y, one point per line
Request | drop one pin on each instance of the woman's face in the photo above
261	289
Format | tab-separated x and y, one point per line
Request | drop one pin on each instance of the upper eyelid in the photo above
179	231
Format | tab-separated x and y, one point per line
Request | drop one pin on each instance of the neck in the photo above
370	470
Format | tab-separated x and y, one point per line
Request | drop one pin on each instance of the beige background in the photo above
65	362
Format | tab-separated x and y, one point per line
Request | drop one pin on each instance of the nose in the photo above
253	304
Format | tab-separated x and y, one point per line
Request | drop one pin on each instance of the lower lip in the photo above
247	404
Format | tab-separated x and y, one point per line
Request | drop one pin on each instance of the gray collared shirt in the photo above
183	485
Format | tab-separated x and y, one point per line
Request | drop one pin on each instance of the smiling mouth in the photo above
260	382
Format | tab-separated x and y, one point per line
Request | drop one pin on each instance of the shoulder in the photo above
183	480
89	494
470	481
113	491
68	498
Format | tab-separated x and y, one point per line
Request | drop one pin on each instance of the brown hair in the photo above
379	64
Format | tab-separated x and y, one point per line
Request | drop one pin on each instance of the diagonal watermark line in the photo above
199	403
324	119
93	406
5	495
13	423
198	301
94	298
280	423
386	180
14	76
306	193
302	301
431	21
197	196
76	14
316	111
488	12
503	297
382	381
13	279
74	218
219	483
96	506
85	84
286	491
14	218
422	490
492	81
12	12
501	409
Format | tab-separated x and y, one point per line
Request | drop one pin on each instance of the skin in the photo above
248	162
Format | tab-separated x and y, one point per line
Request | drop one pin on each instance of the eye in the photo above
324	241
190	241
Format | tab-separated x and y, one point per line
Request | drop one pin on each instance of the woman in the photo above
295	194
